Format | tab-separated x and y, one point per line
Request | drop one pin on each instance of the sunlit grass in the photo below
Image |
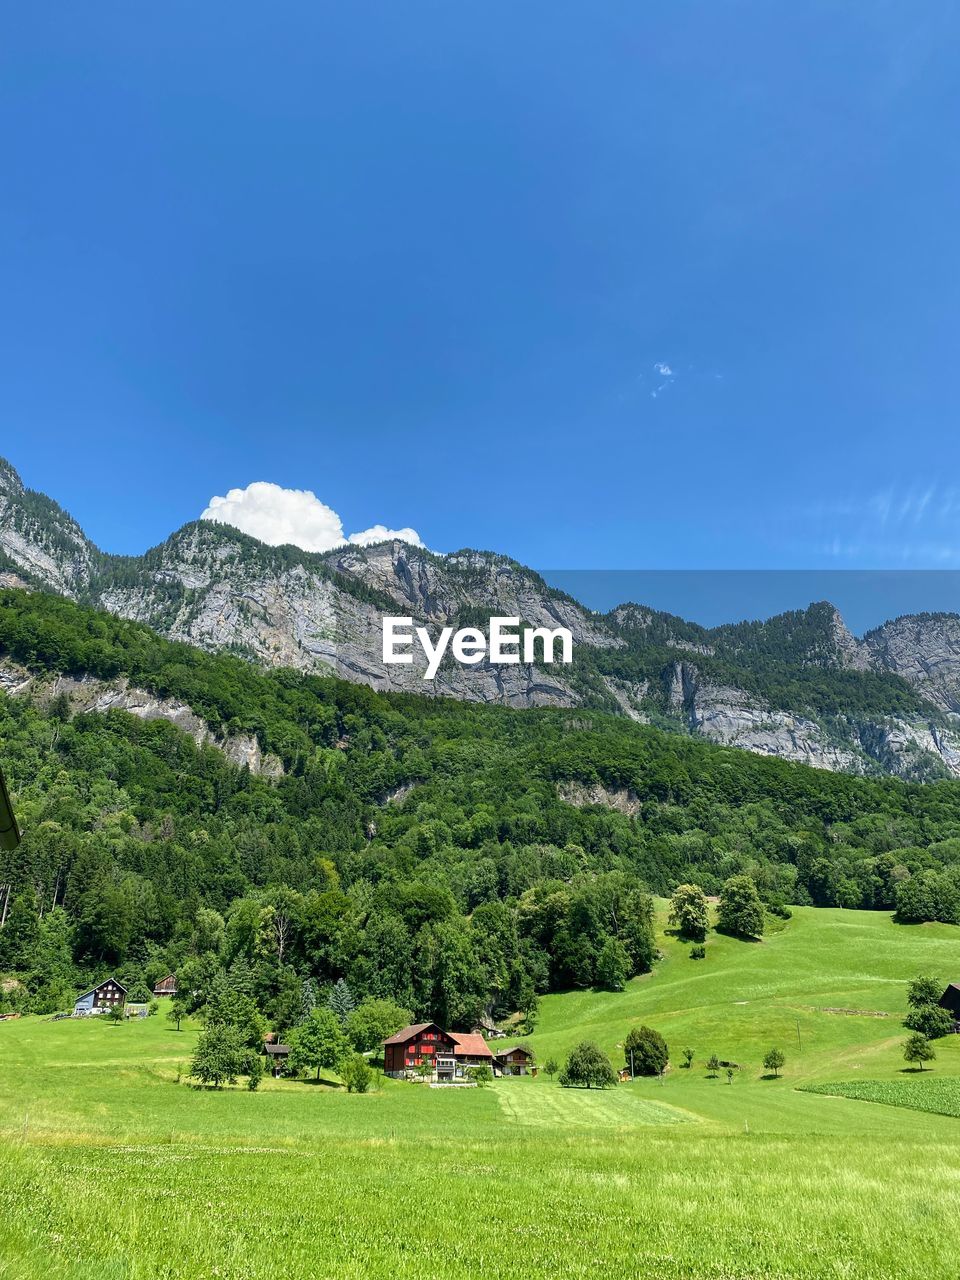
112	1170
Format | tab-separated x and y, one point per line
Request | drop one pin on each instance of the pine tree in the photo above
341	1000
308	998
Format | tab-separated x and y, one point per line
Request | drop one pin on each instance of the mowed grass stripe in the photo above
561	1109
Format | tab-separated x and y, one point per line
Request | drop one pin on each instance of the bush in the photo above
776	906
698	952
646	1051
356	1074
253	1066
480	1075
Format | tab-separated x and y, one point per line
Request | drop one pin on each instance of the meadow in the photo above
112	1169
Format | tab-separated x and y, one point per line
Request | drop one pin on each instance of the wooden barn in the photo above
166	986
518	1061
100	998
950	1000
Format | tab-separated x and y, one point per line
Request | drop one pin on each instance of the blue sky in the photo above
618	285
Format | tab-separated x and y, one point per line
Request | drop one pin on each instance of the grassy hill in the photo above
104	1155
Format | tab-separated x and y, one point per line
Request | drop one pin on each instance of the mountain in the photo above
799	686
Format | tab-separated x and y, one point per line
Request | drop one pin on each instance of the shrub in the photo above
480	1074
698	952
356	1074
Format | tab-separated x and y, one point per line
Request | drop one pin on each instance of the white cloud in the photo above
379	533
278	516
663	369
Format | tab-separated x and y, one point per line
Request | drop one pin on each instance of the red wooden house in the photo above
425	1049
424	1044
166	986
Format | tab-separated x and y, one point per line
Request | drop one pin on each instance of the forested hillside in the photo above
447	855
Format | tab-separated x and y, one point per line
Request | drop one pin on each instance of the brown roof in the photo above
470	1046
517	1048
408	1033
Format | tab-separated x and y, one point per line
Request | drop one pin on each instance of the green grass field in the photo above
112	1170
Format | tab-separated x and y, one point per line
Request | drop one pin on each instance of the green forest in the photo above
415	850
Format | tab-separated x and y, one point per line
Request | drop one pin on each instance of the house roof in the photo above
118	985
169	981
517	1048
408	1033
277	1050
471	1045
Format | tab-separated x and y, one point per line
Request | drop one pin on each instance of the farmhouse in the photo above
950	1000
100	998
517	1061
166	986
426	1050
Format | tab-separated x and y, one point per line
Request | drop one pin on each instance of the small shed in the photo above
99	999
950	1000
166	986
277	1055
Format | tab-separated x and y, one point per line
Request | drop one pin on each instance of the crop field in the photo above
925	1092
113	1168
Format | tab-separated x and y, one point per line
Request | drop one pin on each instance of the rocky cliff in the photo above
800	686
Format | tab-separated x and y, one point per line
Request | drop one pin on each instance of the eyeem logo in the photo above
469	646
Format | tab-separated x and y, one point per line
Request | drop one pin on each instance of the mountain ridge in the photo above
799	685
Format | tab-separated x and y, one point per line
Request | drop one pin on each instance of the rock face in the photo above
925	650
737	719
86	693
211	586
621	799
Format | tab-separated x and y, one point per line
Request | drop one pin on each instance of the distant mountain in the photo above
798	686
